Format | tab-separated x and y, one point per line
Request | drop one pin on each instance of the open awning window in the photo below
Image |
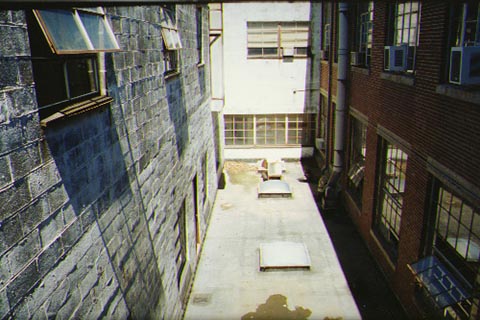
442	286
77	30
171	38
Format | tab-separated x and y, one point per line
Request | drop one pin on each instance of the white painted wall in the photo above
259	86
268	153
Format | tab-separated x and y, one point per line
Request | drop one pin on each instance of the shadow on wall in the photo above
89	158
178	113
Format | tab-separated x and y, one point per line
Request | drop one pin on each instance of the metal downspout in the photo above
331	190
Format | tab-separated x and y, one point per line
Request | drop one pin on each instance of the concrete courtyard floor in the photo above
229	283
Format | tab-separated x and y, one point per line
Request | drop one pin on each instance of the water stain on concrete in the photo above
226	206
276	308
240	173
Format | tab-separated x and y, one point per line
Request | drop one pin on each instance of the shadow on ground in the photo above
373	296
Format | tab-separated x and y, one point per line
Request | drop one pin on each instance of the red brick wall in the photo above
433	124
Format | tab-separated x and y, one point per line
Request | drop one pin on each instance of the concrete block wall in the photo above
87	204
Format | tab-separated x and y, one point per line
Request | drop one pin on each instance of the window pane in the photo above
280	133
63	30
301	51
452	228
97	30
255	51
81	77
270	51
49	89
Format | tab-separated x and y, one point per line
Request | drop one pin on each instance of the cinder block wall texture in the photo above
89	206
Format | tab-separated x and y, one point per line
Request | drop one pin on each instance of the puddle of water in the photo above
276	308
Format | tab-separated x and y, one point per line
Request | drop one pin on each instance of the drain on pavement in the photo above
201	298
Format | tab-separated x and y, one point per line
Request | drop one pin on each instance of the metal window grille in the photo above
390	195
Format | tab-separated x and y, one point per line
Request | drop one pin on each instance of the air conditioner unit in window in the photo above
395	58
356	58
288	52
323	54
320	143
465	65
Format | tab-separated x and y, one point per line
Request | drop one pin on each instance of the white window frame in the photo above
365	32
82	29
297	124
171	41
276	38
402	29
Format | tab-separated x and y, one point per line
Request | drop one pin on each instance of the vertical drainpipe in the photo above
331	190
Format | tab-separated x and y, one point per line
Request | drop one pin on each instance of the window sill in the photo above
467	94
172	74
277	58
361	69
76	109
384	253
405	79
270	146
353	204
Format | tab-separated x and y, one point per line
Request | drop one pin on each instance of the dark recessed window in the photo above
199	19
171	39
356	163
64	46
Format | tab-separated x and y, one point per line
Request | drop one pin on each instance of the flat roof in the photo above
229	283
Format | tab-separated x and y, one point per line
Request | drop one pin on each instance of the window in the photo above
363	34
239	130
390	189
270	129
356	161
455	242
405	33
261	130
179	229
466	24
77	30
327	28
277	39
171	39
64	46
199	18
205	177
464	46
322	123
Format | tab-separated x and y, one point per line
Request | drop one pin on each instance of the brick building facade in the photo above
411	156
107	159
